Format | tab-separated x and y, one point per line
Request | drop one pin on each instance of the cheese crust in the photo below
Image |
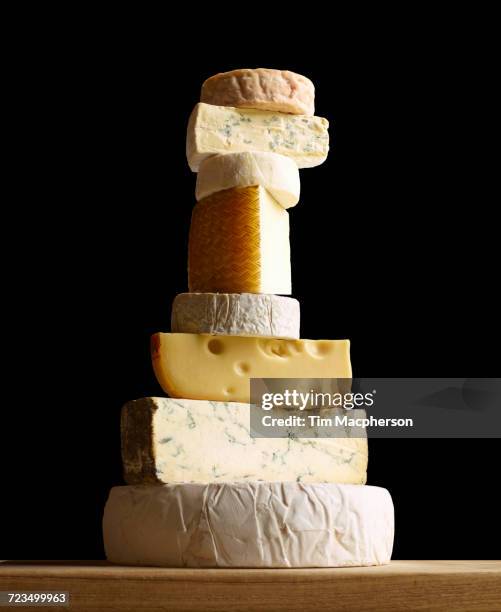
262	88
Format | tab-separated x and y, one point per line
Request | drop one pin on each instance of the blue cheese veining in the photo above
223	129
166	440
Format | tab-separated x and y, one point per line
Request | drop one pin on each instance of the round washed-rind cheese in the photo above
262	88
260	525
236	314
278	174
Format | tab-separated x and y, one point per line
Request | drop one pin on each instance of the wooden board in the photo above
403	585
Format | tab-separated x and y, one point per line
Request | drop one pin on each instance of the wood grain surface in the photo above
466	586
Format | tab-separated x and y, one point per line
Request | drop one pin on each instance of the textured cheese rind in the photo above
236	314
278	174
255	525
218	368
222	129
239	243
264	88
167	440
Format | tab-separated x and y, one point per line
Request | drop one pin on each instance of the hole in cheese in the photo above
215	347
242	368
318	348
275	348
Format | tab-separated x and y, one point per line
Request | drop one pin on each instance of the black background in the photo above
394	245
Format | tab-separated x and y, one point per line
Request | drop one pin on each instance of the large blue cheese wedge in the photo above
249	524
166	440
223	129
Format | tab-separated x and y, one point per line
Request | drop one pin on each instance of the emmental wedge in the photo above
218	368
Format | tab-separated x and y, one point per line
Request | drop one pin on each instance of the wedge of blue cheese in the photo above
223	129
166	440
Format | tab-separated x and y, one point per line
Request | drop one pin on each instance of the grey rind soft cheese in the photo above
236	314
168	440
254	525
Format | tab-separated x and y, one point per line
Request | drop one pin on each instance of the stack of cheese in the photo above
202	492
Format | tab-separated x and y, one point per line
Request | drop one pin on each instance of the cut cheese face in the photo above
236	314
239	243
260	525
223	129
263	88
168	440
278	174
201	366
